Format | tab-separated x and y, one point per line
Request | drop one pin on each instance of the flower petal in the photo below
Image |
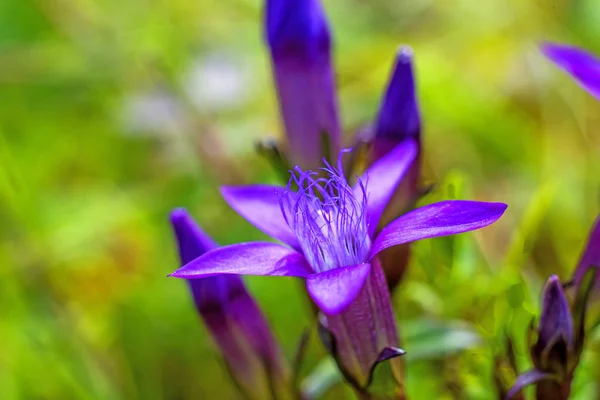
583	66
383	177
191	239
335	289
253	258
526	379
259	204
439	219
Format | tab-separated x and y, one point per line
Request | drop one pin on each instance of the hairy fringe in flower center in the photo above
328	218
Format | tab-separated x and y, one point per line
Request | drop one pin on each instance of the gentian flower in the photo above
582	65
329	233
300	46
399	119
234	320
561	329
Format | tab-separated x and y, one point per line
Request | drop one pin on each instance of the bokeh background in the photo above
114	112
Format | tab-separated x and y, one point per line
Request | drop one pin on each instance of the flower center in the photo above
328	217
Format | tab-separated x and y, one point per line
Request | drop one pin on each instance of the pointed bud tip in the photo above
399	115
556	314
405	54
178	215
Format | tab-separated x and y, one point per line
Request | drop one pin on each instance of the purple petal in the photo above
259	204
335	289
399	113
590	257
191	239
556	315
527	379
254	258
439	219
383	177
583	66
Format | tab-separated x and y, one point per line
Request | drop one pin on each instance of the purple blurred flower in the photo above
583	66
590	259
561	329
233	319
300	45
553	352
328	229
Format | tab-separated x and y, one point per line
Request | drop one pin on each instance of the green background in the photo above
114	112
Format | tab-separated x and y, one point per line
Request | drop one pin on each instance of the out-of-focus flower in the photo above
590	259
553	353
300	45
398	120
153	113
218	82
234	320
329	231
582	65
561	329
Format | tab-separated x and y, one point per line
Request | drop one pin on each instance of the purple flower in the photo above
300	45
583	66
561	329
553	352
233	319
329	233
399	119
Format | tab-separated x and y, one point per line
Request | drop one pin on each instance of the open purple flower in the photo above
234	320
328	230
300	45
582	65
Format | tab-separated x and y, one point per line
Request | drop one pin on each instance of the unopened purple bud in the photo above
553	355
300	45
556	323
582	65
399	116
233	319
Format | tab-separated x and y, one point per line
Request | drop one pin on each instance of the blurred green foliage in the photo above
112	113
